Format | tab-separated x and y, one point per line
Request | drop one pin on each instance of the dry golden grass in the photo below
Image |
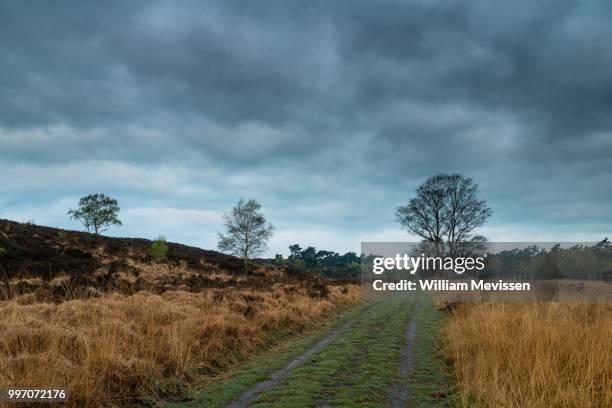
152	272
532	355
115	350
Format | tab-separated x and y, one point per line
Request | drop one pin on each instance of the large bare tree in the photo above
247	231
445	213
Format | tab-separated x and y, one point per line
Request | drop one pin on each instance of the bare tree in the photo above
445	212
97	213
247	231
425	214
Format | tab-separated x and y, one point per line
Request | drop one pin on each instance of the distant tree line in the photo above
321	262
576	262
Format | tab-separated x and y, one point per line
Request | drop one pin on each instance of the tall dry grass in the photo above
532	355
118	350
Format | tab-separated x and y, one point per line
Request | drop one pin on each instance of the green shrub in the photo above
278	259
2	251
159	250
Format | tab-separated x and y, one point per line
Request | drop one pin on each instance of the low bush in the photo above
159	250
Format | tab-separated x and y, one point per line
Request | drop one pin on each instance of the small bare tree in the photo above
97	213
445	212
247	231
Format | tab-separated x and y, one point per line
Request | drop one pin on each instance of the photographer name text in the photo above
447	285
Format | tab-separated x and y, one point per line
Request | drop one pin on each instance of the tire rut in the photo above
399	393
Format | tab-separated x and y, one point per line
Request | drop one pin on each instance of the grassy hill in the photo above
37	251
57	265
101	317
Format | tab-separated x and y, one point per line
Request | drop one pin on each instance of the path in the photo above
381	355
280	375
399	393
355	363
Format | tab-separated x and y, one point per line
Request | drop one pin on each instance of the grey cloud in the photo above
345	100
545	62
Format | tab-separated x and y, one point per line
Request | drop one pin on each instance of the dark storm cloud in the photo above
197	72
338	97
548	65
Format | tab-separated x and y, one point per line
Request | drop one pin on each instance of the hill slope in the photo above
37	251
98	316
58	265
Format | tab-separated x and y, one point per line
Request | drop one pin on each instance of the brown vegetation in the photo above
532	354
99	316
118	350
37	251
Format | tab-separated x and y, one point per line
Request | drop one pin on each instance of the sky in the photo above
330	114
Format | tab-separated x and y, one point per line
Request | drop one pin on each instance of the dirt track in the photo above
359	331
277	377
399	393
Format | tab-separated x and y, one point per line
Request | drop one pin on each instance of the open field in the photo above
305	204
532	354
196	330
96	315
123	349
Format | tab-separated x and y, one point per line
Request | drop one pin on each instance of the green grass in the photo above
354	370
357	369
243	377
431	382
